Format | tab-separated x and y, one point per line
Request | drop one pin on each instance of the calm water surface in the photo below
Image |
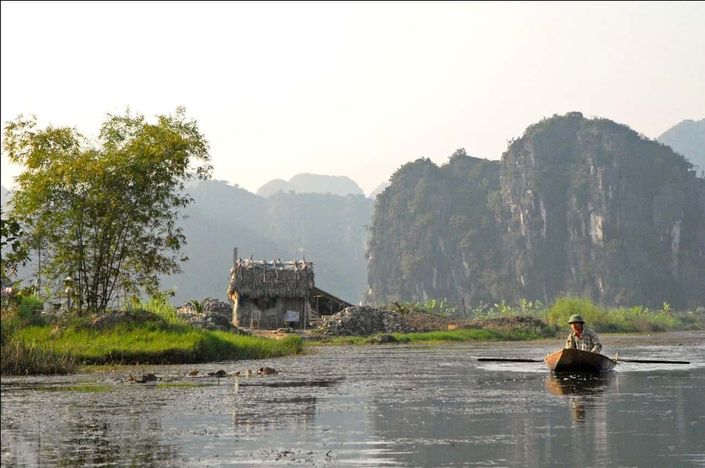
371	406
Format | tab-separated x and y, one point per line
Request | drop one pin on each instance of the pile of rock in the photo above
213	315
363	321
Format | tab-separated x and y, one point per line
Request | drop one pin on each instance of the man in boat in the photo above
582	338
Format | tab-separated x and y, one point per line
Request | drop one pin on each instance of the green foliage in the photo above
106	211
161	307
14	252
430	306
564	307
440	307
198	305
29	310
624	319
524	308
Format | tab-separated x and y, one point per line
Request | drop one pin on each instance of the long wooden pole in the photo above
508	359
652	361
640	361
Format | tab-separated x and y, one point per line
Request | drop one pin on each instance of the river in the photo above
372	406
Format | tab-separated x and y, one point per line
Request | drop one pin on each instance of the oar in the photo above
640	361
652	361
508	359
649	361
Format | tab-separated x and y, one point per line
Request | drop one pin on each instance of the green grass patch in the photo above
153	335
178	385
82	388
153	345
464	334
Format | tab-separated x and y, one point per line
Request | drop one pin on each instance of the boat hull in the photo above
575	360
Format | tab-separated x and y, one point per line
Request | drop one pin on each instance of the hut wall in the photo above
265	314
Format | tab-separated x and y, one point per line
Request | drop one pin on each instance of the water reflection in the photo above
53	430
582	391
578	384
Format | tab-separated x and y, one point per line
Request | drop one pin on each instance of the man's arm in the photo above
596	344
569	343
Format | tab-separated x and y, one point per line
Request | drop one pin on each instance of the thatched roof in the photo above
261	278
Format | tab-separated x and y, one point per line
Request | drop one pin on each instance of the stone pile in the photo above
215	315
363	321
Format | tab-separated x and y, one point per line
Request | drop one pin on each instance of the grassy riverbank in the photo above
438	336
33	345
526	321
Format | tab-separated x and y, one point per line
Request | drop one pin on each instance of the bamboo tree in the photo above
107	210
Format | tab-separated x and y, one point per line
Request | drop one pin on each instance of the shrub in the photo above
561	310
29	310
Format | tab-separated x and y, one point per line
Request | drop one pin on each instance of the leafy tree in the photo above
14	253
106	209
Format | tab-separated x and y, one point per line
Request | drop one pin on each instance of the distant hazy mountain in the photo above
379	189
330	230
688	139
312	183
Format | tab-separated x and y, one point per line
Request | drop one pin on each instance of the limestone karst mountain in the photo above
575	206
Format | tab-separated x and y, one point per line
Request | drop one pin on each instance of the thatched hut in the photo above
276	294
270	294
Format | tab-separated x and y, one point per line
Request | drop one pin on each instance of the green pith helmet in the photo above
576	318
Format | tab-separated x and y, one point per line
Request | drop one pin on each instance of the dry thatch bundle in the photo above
263	279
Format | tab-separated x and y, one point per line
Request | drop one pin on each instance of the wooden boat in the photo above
575	360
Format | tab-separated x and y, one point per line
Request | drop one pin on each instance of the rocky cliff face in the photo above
434	233
579	206
592	208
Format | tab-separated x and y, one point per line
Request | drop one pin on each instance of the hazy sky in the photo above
354	89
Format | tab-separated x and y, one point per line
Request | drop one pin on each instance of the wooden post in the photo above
234	256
